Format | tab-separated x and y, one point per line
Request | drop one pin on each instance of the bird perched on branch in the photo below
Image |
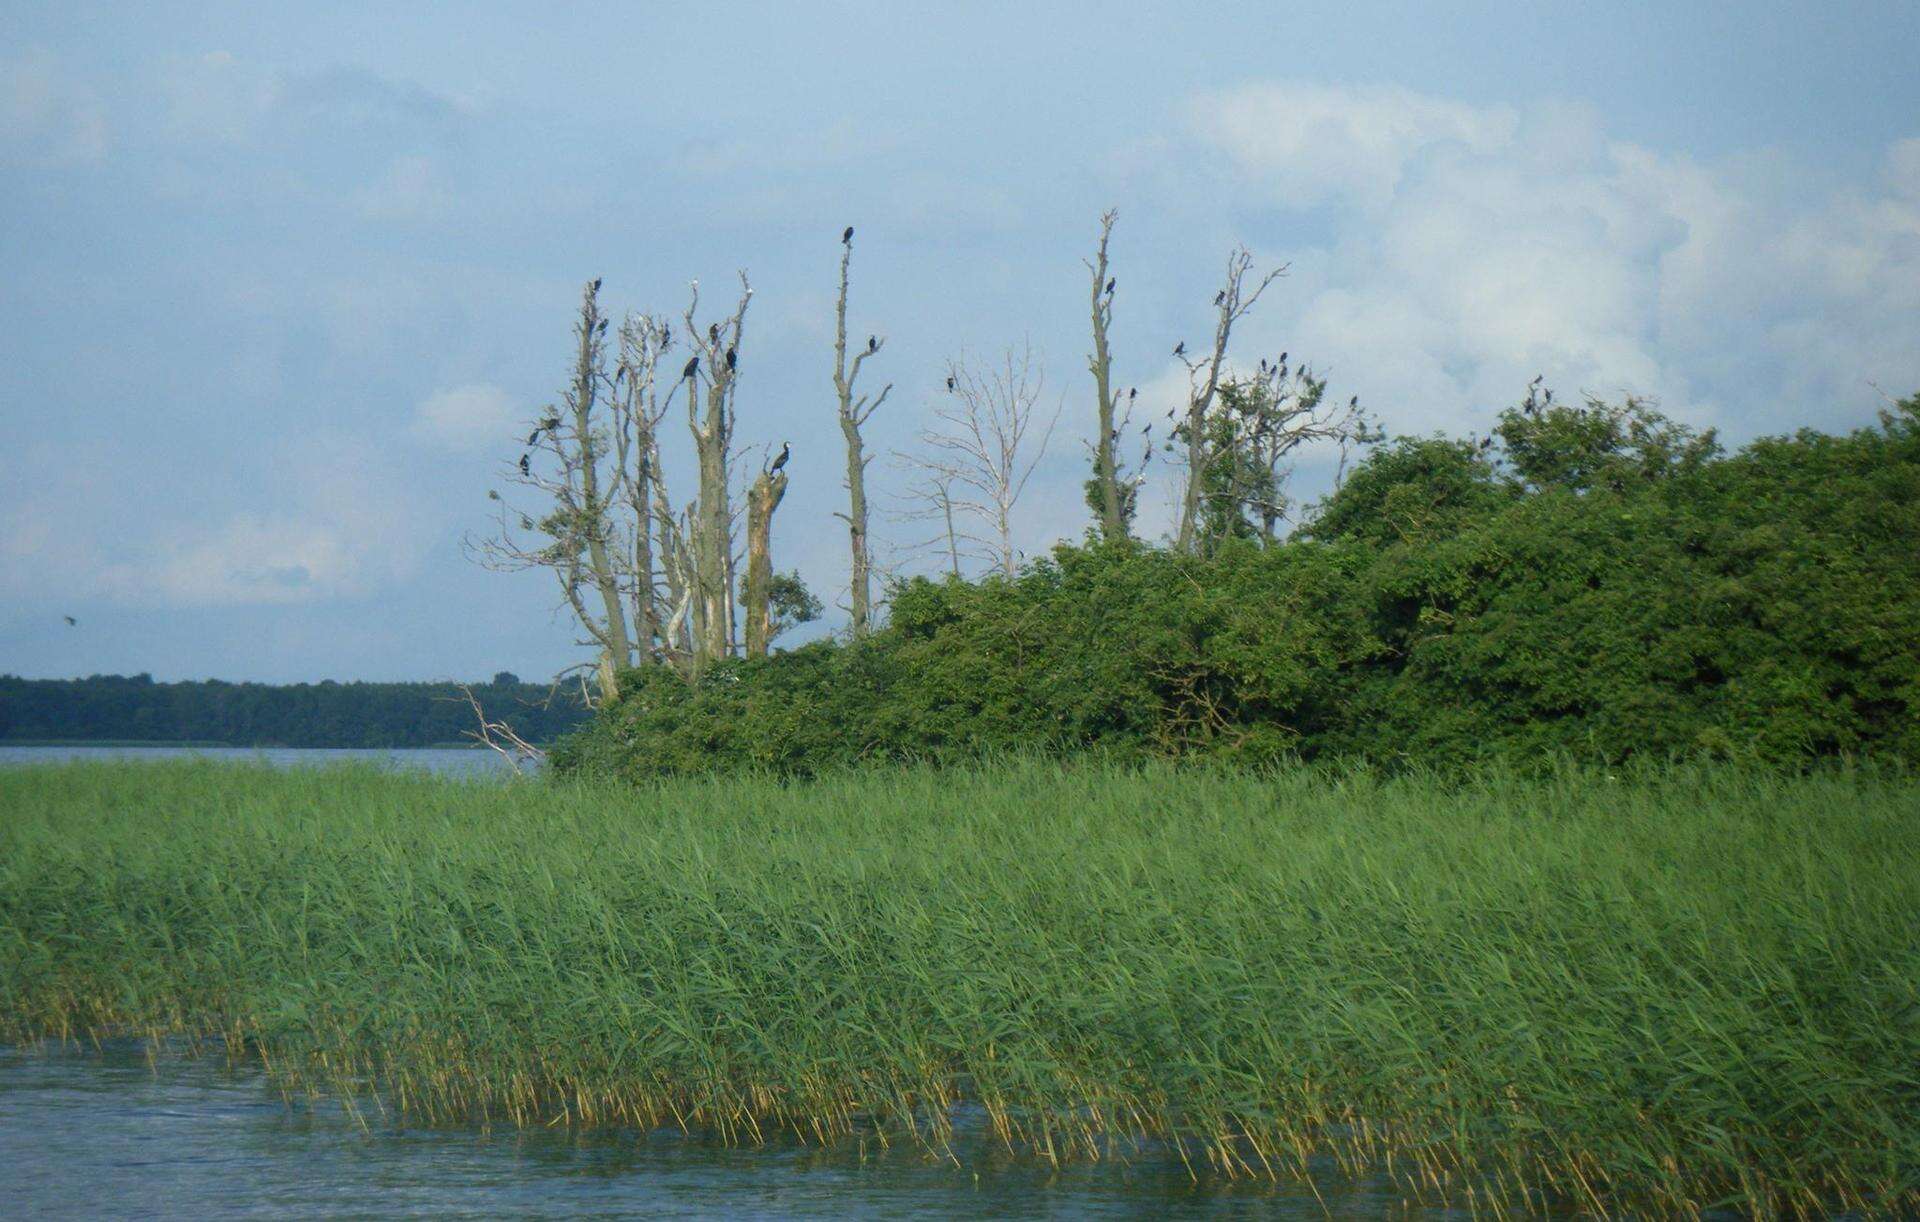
1220	298
1180	349
1133	392
526	465
786	451
733	359
873	344
949	383
713	333
846	236
602	328
1110	284
693	367
596	284
533	436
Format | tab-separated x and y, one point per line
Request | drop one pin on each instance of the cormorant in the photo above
603	326
71	622
1133	392
1180	349
596	284
785	451
949	382
713	332
1354	402
526	466
1220	298
666	334
846	236
873	345
693	366
1110	287
1283	359
732	360
533	436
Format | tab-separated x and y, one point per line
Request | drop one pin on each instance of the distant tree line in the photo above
133	708
1589	580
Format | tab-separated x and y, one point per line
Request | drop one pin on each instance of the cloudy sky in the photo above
279	286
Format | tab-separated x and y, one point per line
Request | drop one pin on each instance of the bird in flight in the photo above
786	451
846	236
71	622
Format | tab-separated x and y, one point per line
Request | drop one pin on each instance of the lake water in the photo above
451	761
110	1133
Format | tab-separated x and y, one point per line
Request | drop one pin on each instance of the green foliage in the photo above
328	714
1618	997
1599	583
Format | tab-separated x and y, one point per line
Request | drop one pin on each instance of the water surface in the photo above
448	761
106	1132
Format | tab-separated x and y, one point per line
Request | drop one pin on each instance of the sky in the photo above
281	286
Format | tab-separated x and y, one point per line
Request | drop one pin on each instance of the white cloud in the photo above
411	188
1476	247
44	106
1308	144
467	418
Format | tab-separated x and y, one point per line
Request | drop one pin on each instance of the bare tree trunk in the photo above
763	498
853	414
1106	473
713	522
1203	381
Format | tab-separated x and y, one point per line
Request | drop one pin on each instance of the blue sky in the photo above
279	283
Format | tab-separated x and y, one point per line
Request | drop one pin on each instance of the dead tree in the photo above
1231	303
854	413
711	552
981	452
577	476
763	498
1257	425
1110	500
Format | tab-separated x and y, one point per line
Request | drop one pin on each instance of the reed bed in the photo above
1676	991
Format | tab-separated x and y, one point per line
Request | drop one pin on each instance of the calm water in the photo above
90	1133
450	761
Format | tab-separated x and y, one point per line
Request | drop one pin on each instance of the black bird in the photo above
1180	349
533	436
666	334
873	345
526	466
1283	359
603	326
1147	432
596	284
713	332
693	366
71	622
949	382
550	423
1220	298
846	236
1110	287
732	360
1263	364
1354	402
1133	393
785	451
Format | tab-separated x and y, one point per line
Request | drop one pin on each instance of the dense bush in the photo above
1593	581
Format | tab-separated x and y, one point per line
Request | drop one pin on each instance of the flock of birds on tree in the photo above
692	369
